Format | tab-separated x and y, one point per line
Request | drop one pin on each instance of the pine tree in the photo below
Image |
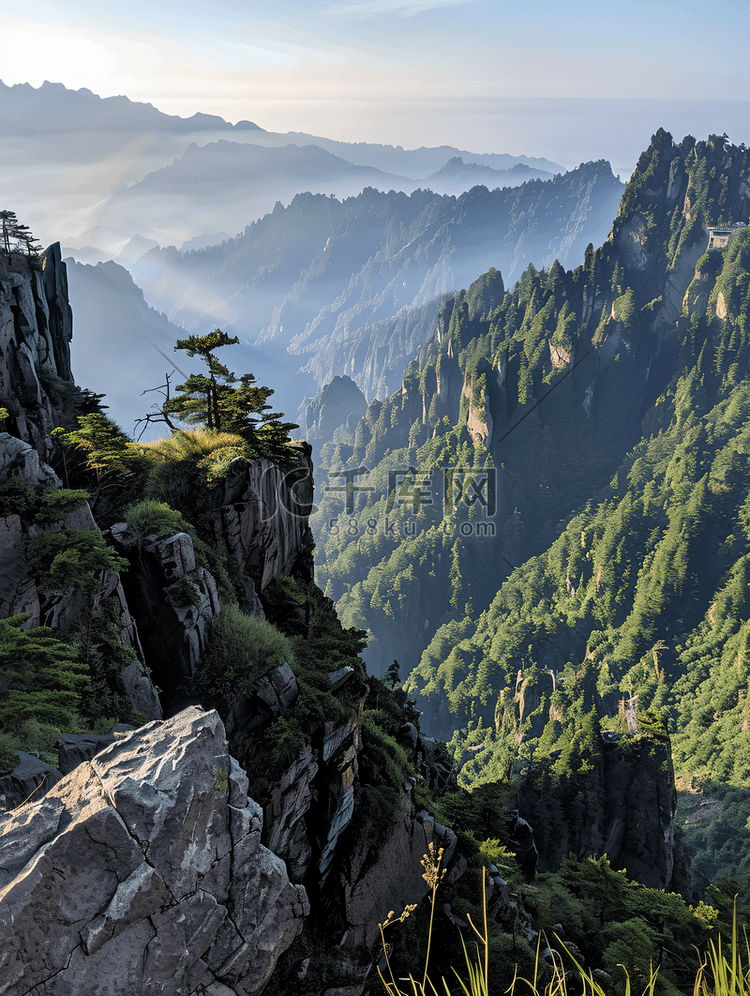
16	236
42	676
214	401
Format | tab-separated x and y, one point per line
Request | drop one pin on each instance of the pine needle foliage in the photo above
41	677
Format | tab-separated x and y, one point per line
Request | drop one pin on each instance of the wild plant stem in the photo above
429	936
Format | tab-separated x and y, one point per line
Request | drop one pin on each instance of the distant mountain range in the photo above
52	107
66	152
457	176
346	278
226	185
119	341
216	185
319	278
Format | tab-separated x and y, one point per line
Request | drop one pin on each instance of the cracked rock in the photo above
119	879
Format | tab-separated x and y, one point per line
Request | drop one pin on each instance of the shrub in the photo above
155	518
186	593
188	463
99	646
55	505
37	738
43	676
8	756
16	497
73	559
98	454
241	650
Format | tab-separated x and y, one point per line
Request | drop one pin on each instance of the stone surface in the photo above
393	882
260	519
172	599
75	748
339	403
18	592
313	803
430	758
290	801
341	744
339	678
142	872
28	781
276	692
20	459
62	610
35	332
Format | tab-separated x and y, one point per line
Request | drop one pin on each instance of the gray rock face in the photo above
261	517
172	599
35	331
395	880
340	403
18	458
18	593
28	781
61	610
430	757
75	748
142	872
284	815
275	693
313	803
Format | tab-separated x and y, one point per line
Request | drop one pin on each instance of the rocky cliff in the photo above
147	867
36	327
142	872
624	807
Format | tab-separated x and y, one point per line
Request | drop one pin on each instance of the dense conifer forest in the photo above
599	577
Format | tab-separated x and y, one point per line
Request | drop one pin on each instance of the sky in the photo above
574	81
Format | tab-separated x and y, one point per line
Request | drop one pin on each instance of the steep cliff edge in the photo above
36	326
623	807
127	619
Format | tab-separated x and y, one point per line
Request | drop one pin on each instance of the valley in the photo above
486	618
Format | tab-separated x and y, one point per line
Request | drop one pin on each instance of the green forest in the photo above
544	536
598	583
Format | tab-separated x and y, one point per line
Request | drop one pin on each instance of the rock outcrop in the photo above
142	872
396	878
36	327
29	781
623	808
173	600
62	609
313	802
259	517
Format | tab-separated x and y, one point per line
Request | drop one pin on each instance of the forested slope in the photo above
609	404
322	279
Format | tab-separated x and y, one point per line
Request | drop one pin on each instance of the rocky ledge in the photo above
142	872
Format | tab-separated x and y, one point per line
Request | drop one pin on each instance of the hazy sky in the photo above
479	74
